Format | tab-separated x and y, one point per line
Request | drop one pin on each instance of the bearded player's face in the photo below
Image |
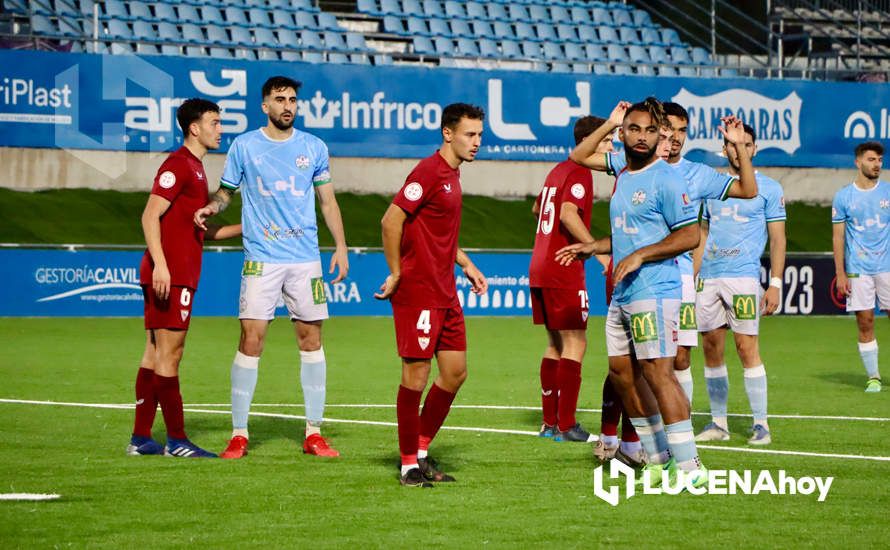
281	107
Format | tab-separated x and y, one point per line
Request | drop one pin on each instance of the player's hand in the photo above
732	130
340	260
604	260
617	116
626	266
770	301
160	281
201	216
578	251
843	285
477	279
388	288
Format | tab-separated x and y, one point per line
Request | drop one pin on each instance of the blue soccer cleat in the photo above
760	436
141	445
183	448
547	431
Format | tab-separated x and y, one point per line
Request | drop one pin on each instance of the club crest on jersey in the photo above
184	313
639	197
424	342
413	191
885	203
167	180
578	191
302	162
686	200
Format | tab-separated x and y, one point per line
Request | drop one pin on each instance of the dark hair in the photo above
192	110
675	109
869	146
585	126
280	82
748	130
452	114
654	108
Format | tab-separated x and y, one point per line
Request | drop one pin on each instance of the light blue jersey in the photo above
704	183
277	180
737	233
646	207
866	215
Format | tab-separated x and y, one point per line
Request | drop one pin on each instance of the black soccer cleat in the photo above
414	478
429	469
577	434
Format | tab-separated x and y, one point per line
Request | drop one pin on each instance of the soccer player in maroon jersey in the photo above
420	232
169	275
559	292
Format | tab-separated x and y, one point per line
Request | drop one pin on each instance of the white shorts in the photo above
733	301
865	288
688	333
263	285
650	325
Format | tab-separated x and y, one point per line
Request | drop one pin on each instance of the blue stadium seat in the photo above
115	9
645	70
328	21
235	16
368	6
628	35
192	33
700	56
580	15
488	48
476	11
360	58
510	49
687	70
517	12
146	49
553	51
418	26
560	68
667	71
334	41
290	56
559	14
290	4
617	53
567	33
439	27
310	40
658	54
531	50
243	53
455	10
142	30
195	51
539	14
268	55
382	59
497	11
168	32
258	18
638	54
289	39
729	73
119	48
67	8
621	69
580	68
216	35
502	29
356	42
423	45
601	68
337	58
601	16
680	54
467	47
305	20
545	32
164	12
393	25
482	29
264	37
412	7
642	19
240	36
390	7
607	34
187	13
312	57
595	52
574	51
170	49
621	17
443	46
118	29
460	28
524	31
589	34
282	20
210	15
650	36
670	37
139	10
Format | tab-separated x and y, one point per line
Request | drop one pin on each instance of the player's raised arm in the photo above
585	153
471	272
330	210
151	228
734	132
218	202
392	225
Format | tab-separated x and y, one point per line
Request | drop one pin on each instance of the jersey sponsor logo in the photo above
578	191
687	316
638	198
167	179
775	121
184	314
318	294
621	223
744	306
413	191
302	162
700	285
252	269
642	327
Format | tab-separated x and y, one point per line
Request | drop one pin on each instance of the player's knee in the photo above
309	342
681	362
251	344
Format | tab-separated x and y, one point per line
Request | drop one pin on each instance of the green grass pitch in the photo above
513	490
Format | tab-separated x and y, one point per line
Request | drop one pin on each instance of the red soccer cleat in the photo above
236	448
316	445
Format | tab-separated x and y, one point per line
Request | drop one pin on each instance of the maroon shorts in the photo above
173	313
421	332
560	308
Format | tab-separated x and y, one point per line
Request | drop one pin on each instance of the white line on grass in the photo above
453	428
28	496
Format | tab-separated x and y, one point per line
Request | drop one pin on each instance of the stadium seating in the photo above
556	35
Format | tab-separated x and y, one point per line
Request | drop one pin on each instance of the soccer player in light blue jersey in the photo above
729	293
704	183
860	215
281	172
653	221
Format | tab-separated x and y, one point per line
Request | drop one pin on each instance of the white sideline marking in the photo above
28	496
453	428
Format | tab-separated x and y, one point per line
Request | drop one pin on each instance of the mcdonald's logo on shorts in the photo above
318	296
642	326
687	316
252	269
744	306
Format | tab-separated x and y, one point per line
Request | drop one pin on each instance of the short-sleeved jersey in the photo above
866	215
277	179
567	182
432	198
615	163
180	180
737	231
647	205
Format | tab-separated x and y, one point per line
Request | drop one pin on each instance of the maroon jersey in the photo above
567	182
181	181
431	197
